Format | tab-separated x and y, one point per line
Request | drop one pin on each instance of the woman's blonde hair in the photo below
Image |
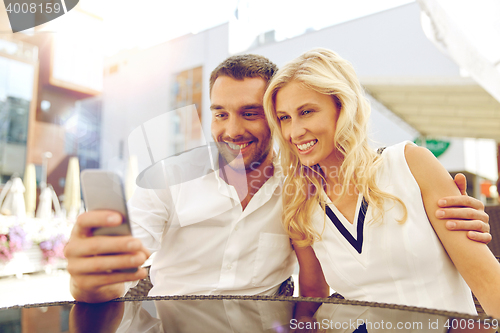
326	72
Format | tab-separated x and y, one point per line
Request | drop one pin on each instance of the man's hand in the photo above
92	261
465	213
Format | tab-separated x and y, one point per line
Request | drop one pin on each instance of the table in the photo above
29	258
235	314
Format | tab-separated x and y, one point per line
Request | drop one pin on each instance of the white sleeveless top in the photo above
399	263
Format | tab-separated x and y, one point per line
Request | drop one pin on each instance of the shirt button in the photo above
236	228
229	266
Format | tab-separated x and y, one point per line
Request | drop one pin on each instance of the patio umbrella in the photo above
469	35
130	176
3	196
14	200
44	209
30	189
47	199
72	197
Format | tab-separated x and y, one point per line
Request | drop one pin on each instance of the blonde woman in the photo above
363	223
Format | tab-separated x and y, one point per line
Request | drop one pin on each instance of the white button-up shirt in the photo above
205	242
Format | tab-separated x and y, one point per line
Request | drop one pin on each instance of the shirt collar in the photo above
213	168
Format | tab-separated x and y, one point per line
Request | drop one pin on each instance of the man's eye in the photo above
306	112
220	115
249	114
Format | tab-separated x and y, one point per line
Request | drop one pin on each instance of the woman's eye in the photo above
283	118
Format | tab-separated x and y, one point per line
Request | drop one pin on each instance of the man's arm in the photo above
464	213
92	260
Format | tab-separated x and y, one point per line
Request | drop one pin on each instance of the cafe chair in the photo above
494	245
145	285
142	288
494	213
286	288
479	309
336	295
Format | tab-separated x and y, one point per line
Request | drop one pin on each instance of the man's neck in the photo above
247	182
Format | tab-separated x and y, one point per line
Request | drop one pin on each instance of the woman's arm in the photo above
474	261
312	282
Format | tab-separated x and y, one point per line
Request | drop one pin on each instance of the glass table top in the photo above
235	314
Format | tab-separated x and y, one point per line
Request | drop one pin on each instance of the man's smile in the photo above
240	146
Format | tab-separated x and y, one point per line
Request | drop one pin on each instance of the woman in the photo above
358	219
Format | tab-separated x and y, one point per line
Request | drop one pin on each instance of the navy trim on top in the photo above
356	243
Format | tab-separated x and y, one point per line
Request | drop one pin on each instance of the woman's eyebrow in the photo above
302	107
306	105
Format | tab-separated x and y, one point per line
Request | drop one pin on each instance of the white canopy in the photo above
469	33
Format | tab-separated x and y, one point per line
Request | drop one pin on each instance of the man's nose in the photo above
234	128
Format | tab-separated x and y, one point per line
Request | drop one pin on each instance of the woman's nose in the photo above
297	130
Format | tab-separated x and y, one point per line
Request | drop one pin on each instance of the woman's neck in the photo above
331	167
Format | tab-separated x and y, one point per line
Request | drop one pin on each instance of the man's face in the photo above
239	126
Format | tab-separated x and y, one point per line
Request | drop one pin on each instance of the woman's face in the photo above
308	122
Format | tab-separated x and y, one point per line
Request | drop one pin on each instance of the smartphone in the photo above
104	190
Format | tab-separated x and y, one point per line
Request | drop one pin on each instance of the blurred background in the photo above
73	89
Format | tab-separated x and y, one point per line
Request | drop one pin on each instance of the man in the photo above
230	240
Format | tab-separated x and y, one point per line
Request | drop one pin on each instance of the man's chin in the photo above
238	167
235	162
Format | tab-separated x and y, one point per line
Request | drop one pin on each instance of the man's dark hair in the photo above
239	67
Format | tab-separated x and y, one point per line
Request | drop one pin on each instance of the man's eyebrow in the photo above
216	107
247	107
252	107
